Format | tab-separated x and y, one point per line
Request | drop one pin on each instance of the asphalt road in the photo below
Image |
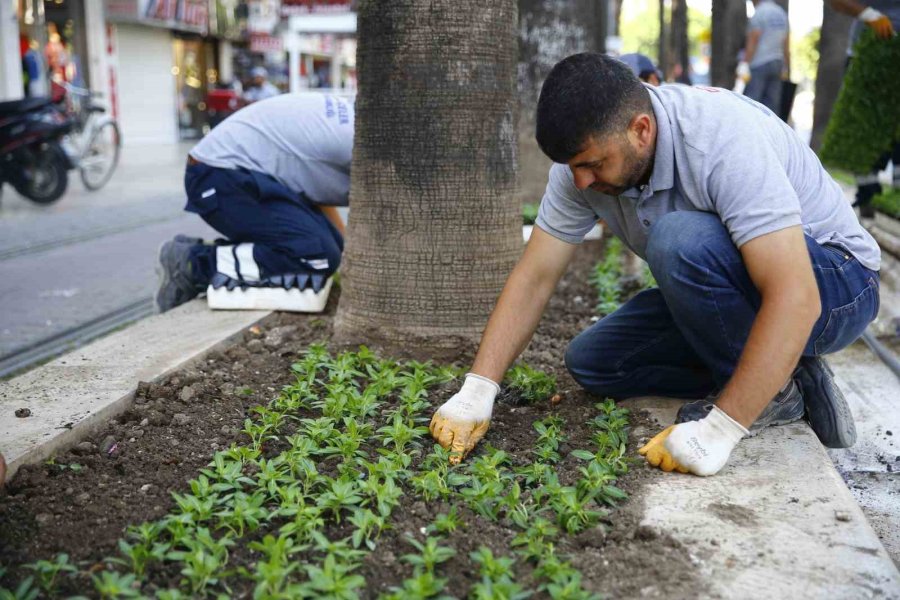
92	252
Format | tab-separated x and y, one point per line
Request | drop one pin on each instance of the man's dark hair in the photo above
586	95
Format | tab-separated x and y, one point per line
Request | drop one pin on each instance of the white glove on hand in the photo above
743	71
462	421
703	447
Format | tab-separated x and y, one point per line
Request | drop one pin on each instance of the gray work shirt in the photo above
305	141
772	22
722	153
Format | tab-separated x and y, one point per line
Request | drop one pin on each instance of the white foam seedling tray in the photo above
269	298
594	234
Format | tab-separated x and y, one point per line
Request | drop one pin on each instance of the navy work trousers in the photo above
684	338
288	232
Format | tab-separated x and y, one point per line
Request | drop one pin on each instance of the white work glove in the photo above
743	71
462	421
703	447
879	23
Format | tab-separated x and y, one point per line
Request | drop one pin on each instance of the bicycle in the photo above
94	144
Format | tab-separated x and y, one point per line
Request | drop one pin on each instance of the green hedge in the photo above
866	117
888	202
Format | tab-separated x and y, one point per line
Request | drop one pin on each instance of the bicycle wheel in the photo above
101	156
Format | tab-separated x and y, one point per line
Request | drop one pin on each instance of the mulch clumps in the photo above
80	502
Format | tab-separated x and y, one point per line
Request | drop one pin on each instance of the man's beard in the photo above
637	171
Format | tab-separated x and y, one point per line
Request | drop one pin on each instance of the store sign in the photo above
187	15
315	7
264	43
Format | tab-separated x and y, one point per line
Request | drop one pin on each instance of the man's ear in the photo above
641	130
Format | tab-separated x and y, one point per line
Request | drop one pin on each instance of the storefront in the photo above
170	55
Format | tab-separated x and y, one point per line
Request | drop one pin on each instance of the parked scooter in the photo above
32	158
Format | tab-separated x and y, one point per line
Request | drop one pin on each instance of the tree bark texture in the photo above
679	55
729	29
434	229
664	61
833	41
549	31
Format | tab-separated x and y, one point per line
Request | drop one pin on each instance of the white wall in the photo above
10	63
146	86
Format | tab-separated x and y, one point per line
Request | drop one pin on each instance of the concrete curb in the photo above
777	522
77	393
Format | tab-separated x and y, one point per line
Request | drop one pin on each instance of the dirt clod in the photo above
23	412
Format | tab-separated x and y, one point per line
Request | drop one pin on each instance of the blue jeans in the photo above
684	338
285	228
765	85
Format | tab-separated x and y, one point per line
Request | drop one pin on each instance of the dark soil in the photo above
81	502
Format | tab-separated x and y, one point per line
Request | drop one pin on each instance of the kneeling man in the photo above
761	264
268	178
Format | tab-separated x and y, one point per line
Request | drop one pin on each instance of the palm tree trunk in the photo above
833	40
549	31
678	39
434	229
729	25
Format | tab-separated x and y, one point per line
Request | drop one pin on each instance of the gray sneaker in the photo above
786	407
826	408
177	283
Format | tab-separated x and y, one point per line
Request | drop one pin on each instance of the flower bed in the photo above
281	468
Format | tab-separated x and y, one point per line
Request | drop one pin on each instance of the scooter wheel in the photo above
47	176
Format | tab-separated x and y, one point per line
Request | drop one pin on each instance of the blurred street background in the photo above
167	71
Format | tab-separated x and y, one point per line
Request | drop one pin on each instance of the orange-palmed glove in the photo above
879	23
462	421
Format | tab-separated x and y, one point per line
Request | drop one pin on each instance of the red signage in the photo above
263	42
315	7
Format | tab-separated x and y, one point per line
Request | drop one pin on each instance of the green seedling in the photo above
399	434
530	384
529	213
569	588
334	579
430	554
383	495
243	513
273	572
305	522
571	511
143	548
368	527
421	586
606	276
340	550
47	572
484	498
549	438
446	523
110	584
339	496
202	557
226	473
320	430
430	485
492	567
534	542
198	510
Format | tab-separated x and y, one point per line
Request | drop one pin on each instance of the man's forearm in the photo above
777	338
512	323
750	49
848	7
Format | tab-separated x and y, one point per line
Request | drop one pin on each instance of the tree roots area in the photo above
284	467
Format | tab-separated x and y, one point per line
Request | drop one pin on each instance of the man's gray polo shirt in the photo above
772	22
722	153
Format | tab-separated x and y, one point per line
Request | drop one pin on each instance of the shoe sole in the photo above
827	410
162	277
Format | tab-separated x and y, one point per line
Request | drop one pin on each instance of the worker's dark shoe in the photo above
826	408
786	407
178	280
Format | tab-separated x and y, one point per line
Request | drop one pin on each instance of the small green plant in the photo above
530	213
530	384
47	571
606	277
446	523
430	554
